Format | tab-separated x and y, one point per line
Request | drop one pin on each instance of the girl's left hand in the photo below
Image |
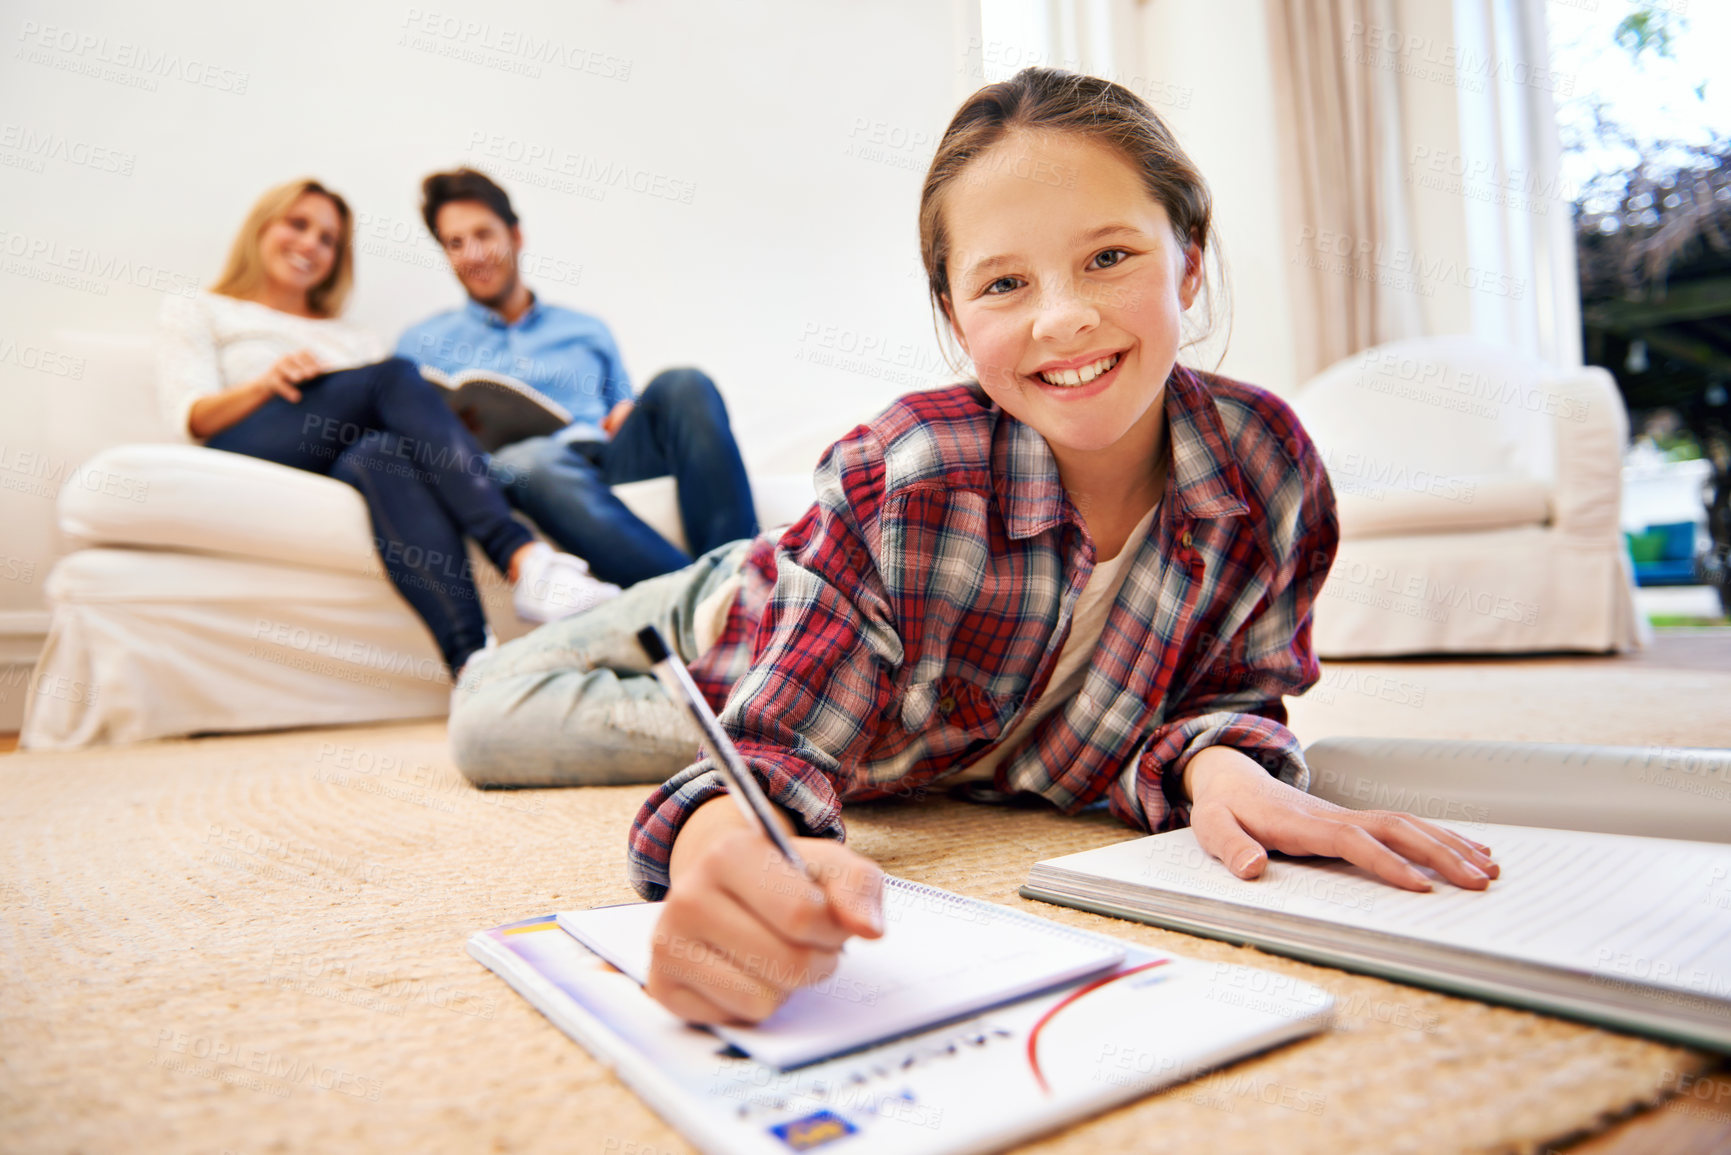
1240	812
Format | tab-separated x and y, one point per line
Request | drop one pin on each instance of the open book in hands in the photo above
496	408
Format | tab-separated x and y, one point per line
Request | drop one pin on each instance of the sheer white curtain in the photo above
1420	147
1511	118
1341	153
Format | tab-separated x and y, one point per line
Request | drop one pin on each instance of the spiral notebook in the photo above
984	1083
942	957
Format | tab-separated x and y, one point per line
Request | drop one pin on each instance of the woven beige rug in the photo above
255	945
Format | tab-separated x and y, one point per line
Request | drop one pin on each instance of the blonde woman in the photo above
263	365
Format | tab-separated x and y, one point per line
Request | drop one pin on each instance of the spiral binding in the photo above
1021	918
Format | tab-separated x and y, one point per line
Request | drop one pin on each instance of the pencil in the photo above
673	675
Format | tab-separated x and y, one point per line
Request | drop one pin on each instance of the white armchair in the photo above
1478	492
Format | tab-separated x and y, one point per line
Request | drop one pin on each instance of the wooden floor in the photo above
1696	1119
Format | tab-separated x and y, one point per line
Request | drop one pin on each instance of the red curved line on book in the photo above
1034	1035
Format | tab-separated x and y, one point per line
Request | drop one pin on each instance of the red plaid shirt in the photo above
918	609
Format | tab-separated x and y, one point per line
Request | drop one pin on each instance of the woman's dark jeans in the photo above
386	431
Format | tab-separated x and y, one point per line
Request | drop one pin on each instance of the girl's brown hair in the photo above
1055	101
244	271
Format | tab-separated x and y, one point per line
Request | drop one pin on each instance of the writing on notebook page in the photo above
941	957
930	943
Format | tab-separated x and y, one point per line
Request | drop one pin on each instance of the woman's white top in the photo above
209	343
1087	623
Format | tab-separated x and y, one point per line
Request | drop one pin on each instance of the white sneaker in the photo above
553	585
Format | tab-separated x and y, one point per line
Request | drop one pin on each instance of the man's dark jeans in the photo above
678	428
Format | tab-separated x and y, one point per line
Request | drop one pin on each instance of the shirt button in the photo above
1185	541
946	705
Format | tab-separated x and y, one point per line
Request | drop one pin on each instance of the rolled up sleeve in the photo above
821	676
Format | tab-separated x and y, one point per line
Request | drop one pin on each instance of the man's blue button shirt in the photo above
567	355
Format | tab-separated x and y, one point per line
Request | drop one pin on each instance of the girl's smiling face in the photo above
1067	286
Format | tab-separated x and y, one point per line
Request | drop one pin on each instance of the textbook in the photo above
981	1083
496	408
1617	930
941	957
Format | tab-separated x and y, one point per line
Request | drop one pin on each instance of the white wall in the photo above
779	145
1205	69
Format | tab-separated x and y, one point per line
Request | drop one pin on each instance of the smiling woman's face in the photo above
1067	288
299	248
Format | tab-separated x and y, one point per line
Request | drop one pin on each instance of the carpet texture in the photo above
255	944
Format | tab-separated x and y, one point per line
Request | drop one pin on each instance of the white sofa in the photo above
209	592
1479	496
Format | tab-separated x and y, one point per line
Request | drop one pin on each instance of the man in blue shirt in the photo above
678	427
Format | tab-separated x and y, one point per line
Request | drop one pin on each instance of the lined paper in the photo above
941	956
1644	910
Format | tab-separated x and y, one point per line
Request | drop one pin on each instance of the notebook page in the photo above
1617	907
941	956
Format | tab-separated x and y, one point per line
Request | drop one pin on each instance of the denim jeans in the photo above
678	428
575	703
387	432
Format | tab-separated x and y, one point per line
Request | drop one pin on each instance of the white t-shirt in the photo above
209	343
1087	623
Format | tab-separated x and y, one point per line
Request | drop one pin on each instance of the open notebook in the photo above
941	957
1619	930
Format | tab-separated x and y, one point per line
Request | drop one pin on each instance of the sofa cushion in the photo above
1447	404
1417	502
186	497
117	402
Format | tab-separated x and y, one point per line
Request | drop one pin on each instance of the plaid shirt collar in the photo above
1205	480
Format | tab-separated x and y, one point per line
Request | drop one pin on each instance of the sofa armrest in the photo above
191	499
1591	429
188	498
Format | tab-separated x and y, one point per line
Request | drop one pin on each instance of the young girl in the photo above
1088	576
261	365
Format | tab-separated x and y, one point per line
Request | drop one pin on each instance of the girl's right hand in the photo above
290	370
741	930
